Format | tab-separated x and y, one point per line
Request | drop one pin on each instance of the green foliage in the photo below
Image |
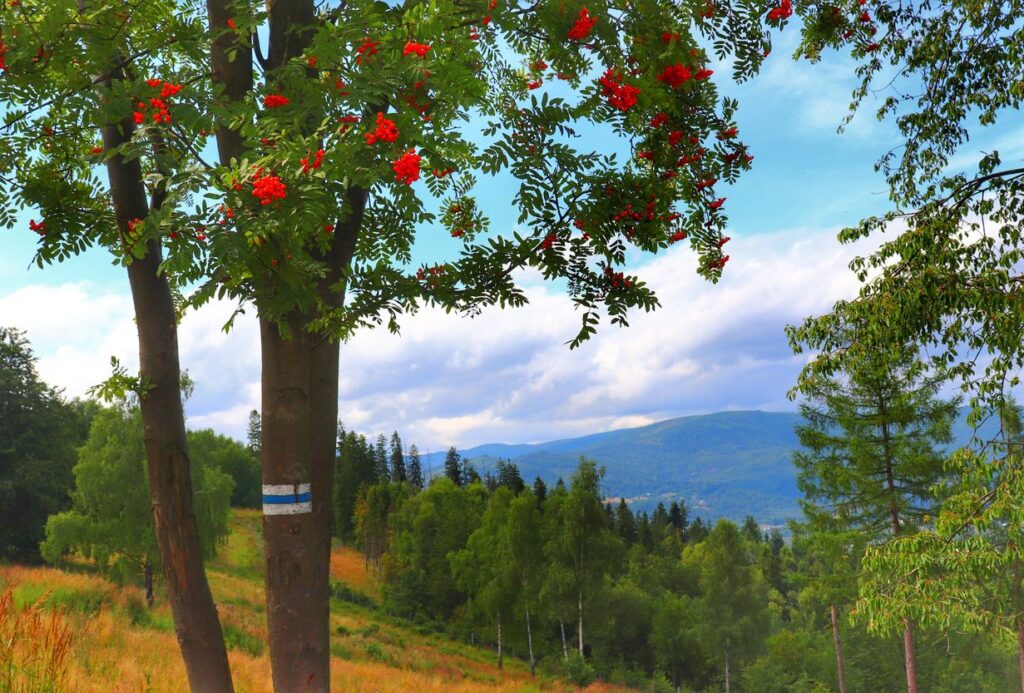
677	645
578	671
430	526
965	570
38	435
275	254
949	277
872	444
734	597
110	520
356	469
237	461
237	639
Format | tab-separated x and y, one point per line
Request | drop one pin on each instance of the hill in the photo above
726	464
107	640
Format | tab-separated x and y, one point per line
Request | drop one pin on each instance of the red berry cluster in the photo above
366	49
268	188
37	226
423	272
616	279
3	55
783	11
386	131
865	21
161	108
407	168
275	100
619	95
413	48
308	165
583	25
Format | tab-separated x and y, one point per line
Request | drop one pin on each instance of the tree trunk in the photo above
501	653
168	468
728	679
910	660
1020	649
579	595
300	659
533	662
324	357
909	657
840	668
147	578
565	647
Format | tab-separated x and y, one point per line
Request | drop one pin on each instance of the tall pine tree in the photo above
415	469
453	466
398	472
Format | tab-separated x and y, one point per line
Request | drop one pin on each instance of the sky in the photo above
509	376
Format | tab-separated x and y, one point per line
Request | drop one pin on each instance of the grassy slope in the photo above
120	646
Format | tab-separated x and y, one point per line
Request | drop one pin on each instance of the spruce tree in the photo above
677	515
872	451
625	523
415	469
509	476
540	490
254	431
752	529
398	472
380	458
453	466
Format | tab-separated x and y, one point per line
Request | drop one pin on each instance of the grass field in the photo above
73	630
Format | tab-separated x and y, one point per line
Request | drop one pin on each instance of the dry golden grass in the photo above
87	634
348	565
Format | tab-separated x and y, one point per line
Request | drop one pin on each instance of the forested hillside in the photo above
726	464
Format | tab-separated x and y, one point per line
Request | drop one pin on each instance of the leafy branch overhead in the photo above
412	104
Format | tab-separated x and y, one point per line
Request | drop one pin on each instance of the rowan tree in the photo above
360	125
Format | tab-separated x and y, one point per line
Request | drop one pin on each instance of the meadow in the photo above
70	629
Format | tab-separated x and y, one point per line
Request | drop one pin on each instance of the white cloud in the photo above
506	376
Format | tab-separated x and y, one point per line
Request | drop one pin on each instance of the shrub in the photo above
578	670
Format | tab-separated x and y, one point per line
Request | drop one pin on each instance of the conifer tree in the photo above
677	515
380	459
453	466
752	530
415	469
398	472
253	432
625	523
508	476
540	490
872	451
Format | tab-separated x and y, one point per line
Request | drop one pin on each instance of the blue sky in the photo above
508	376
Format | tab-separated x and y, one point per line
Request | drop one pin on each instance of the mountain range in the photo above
726	464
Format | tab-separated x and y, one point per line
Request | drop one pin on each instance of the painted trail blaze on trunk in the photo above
300	657
287	499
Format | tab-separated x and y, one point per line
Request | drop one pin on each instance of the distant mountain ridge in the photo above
725	464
